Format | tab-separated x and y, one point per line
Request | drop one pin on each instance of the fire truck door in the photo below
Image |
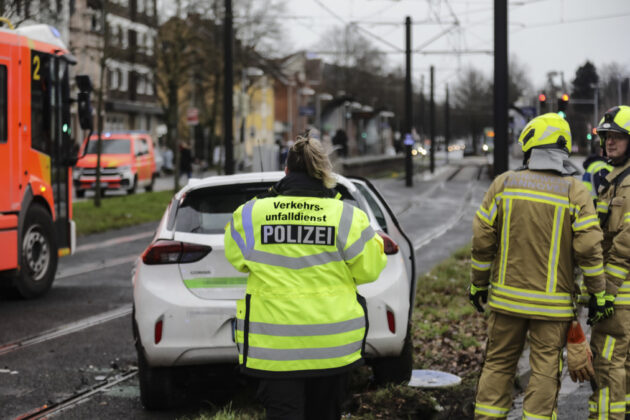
8	127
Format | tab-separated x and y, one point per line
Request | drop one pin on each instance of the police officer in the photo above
302	326
533	224
610	339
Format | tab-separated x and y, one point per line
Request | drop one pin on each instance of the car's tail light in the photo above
391	247
174	252
158	331
391	321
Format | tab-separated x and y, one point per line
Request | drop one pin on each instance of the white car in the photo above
185	290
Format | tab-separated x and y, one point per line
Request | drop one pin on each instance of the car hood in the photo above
107	161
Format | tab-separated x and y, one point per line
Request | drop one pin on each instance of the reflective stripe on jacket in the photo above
527	233
593	174
305	256
616	245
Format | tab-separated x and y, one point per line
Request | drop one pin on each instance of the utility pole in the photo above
101	88
408	140
421	119
228	87
500	87
432	119
447	124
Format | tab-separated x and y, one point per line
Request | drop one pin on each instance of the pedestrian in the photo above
185	159
341	141
532	226
610	339
302	326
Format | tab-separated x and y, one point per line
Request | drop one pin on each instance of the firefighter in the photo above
533	224
595	169
610	339
302	326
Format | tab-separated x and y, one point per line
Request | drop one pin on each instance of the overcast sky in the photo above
544	35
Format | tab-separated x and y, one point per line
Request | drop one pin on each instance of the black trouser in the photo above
304	399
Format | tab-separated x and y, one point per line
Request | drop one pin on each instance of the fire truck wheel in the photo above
39	254
134	186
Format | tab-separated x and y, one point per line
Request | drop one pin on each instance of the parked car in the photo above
185	290
127	162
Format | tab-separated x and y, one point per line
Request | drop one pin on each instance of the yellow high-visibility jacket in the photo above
305	256
527	233
616	245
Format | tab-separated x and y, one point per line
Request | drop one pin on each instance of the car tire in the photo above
395	369
80	193
134	186
157	385
39	254
149	188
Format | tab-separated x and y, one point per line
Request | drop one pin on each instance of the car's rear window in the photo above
208	210
111	147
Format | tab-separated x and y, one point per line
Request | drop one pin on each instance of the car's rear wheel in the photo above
395	369
157	385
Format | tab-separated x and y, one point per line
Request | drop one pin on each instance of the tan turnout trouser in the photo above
506	338
610	343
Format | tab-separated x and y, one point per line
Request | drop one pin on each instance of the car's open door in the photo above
386	218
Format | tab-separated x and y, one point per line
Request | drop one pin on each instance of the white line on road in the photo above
67	329
99	265
115	241
442	229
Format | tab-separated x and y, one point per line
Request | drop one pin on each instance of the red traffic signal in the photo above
594	130
565	97
542	97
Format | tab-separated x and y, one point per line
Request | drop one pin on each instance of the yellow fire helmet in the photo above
615	119
546	131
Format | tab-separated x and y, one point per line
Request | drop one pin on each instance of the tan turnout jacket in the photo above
530	229
616	245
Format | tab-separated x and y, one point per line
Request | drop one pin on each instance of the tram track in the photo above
50	410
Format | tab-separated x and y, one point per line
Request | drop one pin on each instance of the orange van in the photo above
127	162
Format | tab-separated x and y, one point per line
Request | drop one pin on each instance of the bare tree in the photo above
614	85
472	96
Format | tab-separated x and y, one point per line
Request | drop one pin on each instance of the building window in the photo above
140	4
140	85
149	87
114	79
124	80
149	8
3	105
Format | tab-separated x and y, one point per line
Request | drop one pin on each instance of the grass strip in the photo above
119	212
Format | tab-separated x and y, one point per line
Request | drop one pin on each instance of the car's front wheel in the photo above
395	369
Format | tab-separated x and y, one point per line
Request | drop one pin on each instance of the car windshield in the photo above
208	210
110	147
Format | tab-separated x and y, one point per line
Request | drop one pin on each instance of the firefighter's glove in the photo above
596	308
610	308
579	356
475	294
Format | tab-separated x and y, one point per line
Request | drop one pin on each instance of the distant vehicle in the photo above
127	162
185	290
36	157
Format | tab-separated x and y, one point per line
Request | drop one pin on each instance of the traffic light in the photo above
592	134
542	102
563	101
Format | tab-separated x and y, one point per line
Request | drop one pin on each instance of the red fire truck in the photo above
36	156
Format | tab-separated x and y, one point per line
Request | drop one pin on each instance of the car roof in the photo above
245	178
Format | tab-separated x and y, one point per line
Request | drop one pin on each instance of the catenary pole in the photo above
432	119
500	87
408	106
447	124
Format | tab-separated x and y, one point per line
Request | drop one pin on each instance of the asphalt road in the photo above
72	350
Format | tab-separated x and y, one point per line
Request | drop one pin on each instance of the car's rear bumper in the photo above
195	331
